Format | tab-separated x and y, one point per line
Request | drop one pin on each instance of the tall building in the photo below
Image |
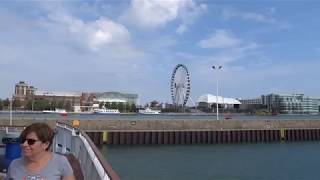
291	104
22	93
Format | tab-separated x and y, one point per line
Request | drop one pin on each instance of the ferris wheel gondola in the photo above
180	85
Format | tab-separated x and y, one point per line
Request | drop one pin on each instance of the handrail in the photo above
112	174
103	167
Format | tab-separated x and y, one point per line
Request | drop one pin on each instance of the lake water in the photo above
277	161
283	161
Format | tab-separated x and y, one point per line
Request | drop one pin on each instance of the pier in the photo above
129	132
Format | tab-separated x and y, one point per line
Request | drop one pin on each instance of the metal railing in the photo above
72	140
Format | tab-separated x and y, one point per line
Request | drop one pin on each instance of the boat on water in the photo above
56	111
227	116
73	142
106	111
149	111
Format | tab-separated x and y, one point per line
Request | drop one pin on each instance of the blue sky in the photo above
133	46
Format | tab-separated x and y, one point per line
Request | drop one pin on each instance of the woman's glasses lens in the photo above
29	141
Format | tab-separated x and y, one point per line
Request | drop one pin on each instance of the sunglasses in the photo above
29	141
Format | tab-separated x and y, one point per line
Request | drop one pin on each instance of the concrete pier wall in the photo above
120	132
204	137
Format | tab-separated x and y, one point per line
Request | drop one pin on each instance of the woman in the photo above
38	162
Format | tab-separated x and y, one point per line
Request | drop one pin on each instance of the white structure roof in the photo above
210	99
48	93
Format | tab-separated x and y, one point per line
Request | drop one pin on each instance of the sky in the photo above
133	46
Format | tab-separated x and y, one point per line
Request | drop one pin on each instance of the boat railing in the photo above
69	139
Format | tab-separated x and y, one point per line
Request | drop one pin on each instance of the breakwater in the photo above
118	132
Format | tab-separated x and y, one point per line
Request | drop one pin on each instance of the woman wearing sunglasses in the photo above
37	161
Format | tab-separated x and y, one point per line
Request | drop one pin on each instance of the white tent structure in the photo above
211	99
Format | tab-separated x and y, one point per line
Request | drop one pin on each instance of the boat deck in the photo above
1	163
2	174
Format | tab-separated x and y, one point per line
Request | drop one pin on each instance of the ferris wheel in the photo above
180	85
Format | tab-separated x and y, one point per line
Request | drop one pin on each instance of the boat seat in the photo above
75	164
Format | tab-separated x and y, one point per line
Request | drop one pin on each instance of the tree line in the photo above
43	104
36	105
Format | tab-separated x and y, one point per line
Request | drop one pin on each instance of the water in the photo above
287	161
278	161
5	116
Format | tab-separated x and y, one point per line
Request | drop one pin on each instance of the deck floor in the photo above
1	163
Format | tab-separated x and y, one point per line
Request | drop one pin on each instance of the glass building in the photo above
291	104
116	97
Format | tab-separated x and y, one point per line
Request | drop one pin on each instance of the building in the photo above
208	101
298	104
31	99
272	101
291	104
116	97
251	105
65	100
22	93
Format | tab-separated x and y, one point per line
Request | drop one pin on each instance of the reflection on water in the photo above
277	161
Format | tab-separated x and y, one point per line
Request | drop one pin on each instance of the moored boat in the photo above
56	111
149	111
106	111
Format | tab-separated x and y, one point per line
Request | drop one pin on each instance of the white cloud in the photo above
93	34
220	39
256	17
106	32
155	13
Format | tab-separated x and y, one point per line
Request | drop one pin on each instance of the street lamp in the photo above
217	68
10	112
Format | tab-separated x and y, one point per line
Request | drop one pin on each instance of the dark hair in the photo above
42	130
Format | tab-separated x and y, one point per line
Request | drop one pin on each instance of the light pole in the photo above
217	68
10	118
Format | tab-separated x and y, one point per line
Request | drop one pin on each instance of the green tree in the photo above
68	106
1	104
133	107
16	104
108	105
101	105
29	105
154	103
41	104
6	103
53	105
114	105
128	107
120	106
60	104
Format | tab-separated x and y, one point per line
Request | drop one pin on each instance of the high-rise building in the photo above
23	92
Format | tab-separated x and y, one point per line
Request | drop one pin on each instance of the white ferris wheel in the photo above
180	85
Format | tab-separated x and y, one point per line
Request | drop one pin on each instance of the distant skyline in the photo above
133	46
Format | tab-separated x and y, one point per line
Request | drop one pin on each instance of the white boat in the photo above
106	111
149	111
56	111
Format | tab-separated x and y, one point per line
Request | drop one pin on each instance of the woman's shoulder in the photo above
17	162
